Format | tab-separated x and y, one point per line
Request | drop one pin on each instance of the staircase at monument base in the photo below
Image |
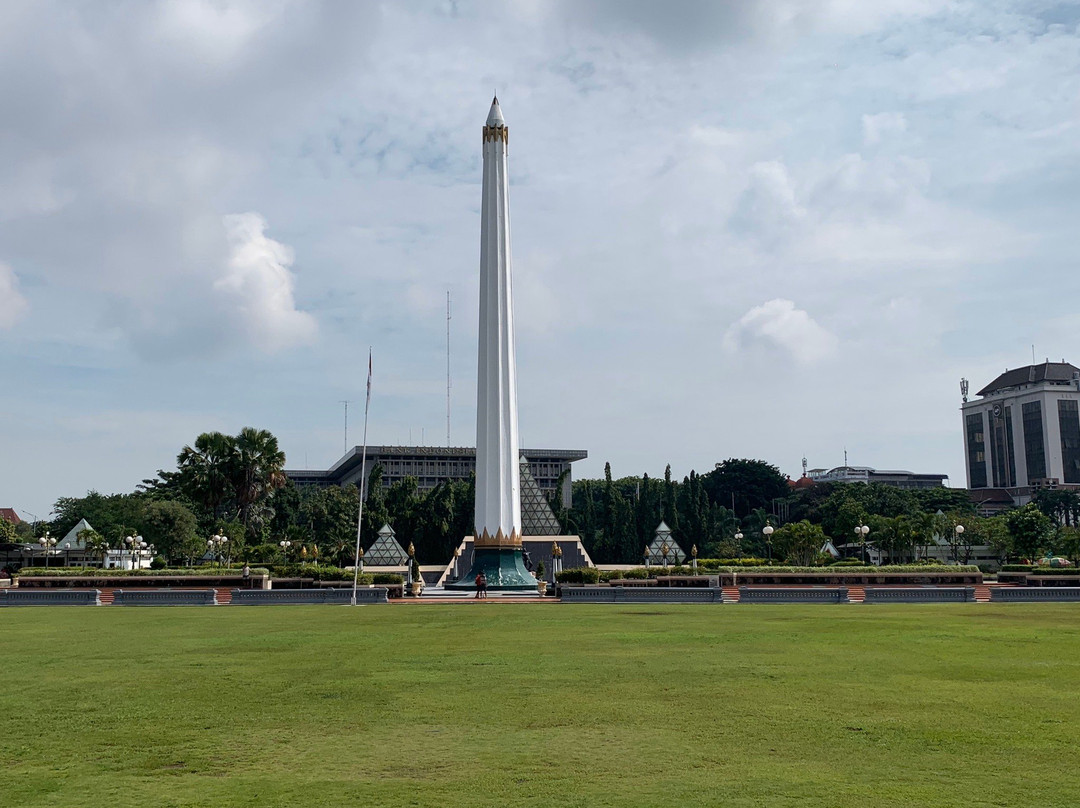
106	597
224	596
856	594
982	593
730	594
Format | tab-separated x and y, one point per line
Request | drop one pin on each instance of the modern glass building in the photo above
1022	432
430	465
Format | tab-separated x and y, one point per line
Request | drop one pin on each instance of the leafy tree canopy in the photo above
751	483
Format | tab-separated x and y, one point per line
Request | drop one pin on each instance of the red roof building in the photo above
9	515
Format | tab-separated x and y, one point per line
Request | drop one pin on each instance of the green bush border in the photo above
98	572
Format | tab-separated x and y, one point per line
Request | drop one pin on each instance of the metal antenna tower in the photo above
346	403
447	368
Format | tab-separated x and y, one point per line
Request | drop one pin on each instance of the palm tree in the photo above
95	544
206	471
259	469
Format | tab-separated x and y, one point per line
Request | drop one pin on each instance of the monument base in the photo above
503	567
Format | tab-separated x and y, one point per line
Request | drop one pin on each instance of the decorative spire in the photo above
495	116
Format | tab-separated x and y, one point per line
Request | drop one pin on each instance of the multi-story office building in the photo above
430	465
1022	432
865	474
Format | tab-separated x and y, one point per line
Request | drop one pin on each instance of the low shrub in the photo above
158	563
383	578
1015	568
578	575
715	563
1055	570
316	572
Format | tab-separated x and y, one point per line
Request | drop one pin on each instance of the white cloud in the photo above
12	303
768	209
258	285
777	324
879	126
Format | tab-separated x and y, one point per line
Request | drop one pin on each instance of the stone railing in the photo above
837	594
929	594
49	597
270	597
658	594
165	597
1025	594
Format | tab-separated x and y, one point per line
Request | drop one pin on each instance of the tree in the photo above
207	470
960	541
799	542
113	515
172	528
993	531
751	484
1062	505
1068	543
1030	530
7	532
259	470
96	545
894	536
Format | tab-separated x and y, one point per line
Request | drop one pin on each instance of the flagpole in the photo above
363	484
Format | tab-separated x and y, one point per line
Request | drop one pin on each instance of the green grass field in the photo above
496	704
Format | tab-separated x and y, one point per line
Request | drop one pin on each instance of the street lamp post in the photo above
285	544
136	546
767	532
959	533
738	542
217	545
67	553
860	533
47	542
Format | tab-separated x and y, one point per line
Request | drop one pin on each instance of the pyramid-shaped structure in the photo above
675	555
537	518
72	536
385	550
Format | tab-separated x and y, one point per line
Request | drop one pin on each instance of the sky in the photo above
774	229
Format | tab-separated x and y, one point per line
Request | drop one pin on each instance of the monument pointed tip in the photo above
495	116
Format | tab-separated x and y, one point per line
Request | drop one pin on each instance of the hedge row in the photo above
590	575
98	572
322	572
714	563
1055	571
861	569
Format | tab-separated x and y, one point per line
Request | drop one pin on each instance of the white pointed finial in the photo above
495	116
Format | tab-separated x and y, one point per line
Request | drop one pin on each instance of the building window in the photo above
1069	421
976	448
1034	447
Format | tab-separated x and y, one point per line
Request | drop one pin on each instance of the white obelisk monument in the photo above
497	547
